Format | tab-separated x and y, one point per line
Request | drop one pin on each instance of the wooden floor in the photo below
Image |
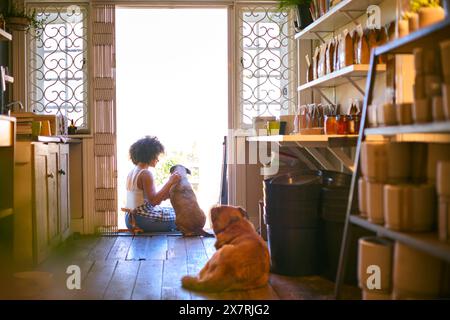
145	267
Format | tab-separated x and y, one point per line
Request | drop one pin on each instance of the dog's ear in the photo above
243	213
234	219
187	170
172	168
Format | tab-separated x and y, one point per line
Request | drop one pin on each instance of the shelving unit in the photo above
345	12
433	127
428	242
5	36
311	143
342	76
338	16
421	38
430	132
313	140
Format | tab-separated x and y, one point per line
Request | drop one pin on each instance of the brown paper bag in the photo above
346	56
316	62
329	63
309	69
363	48
321	63
337	49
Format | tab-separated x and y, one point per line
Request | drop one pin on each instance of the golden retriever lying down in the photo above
242	259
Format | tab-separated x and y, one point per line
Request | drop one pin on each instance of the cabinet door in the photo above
52	195
40	225
63	189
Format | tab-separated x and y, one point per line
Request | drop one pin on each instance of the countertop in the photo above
55	139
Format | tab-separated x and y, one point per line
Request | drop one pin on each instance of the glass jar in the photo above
342	124
330	124
353	124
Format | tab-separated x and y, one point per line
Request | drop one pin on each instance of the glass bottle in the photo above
330	124
342	124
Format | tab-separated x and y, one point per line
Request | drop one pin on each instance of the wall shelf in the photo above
312	143
310	140
433	127
428	36
339	77
428	242
337	17
5	36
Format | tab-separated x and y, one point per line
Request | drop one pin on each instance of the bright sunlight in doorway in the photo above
172	82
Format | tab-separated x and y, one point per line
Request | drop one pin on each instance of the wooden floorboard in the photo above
194	247
123	280
149	281
264	293
151	268
196	260
176	247
120	248
208	243
174	269
76	248
97	280
137	250
308	288
156	248
102	248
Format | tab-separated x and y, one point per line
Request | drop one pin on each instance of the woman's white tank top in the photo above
135	196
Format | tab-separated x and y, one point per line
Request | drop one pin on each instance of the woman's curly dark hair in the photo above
145	150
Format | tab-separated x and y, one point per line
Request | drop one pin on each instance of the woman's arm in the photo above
149	188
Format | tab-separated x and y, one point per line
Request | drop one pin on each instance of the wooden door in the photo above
63	189
52	194
40	226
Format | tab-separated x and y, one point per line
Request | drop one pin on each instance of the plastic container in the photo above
379	252
334	200
416	274
292	217
409	207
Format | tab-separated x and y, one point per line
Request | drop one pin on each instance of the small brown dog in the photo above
242	259
190	218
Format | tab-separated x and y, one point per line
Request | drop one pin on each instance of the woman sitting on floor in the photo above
143	211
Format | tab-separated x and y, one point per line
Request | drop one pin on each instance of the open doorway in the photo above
172	82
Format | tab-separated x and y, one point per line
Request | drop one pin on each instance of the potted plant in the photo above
22	19
302	11
429	11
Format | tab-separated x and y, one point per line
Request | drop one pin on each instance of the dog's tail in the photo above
206	234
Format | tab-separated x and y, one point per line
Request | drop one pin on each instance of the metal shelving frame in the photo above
426	242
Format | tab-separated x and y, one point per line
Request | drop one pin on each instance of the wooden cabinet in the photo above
39	197
63	191
7	145
52	192
41	200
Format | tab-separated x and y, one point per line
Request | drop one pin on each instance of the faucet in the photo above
8	105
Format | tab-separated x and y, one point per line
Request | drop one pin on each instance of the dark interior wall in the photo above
4	45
